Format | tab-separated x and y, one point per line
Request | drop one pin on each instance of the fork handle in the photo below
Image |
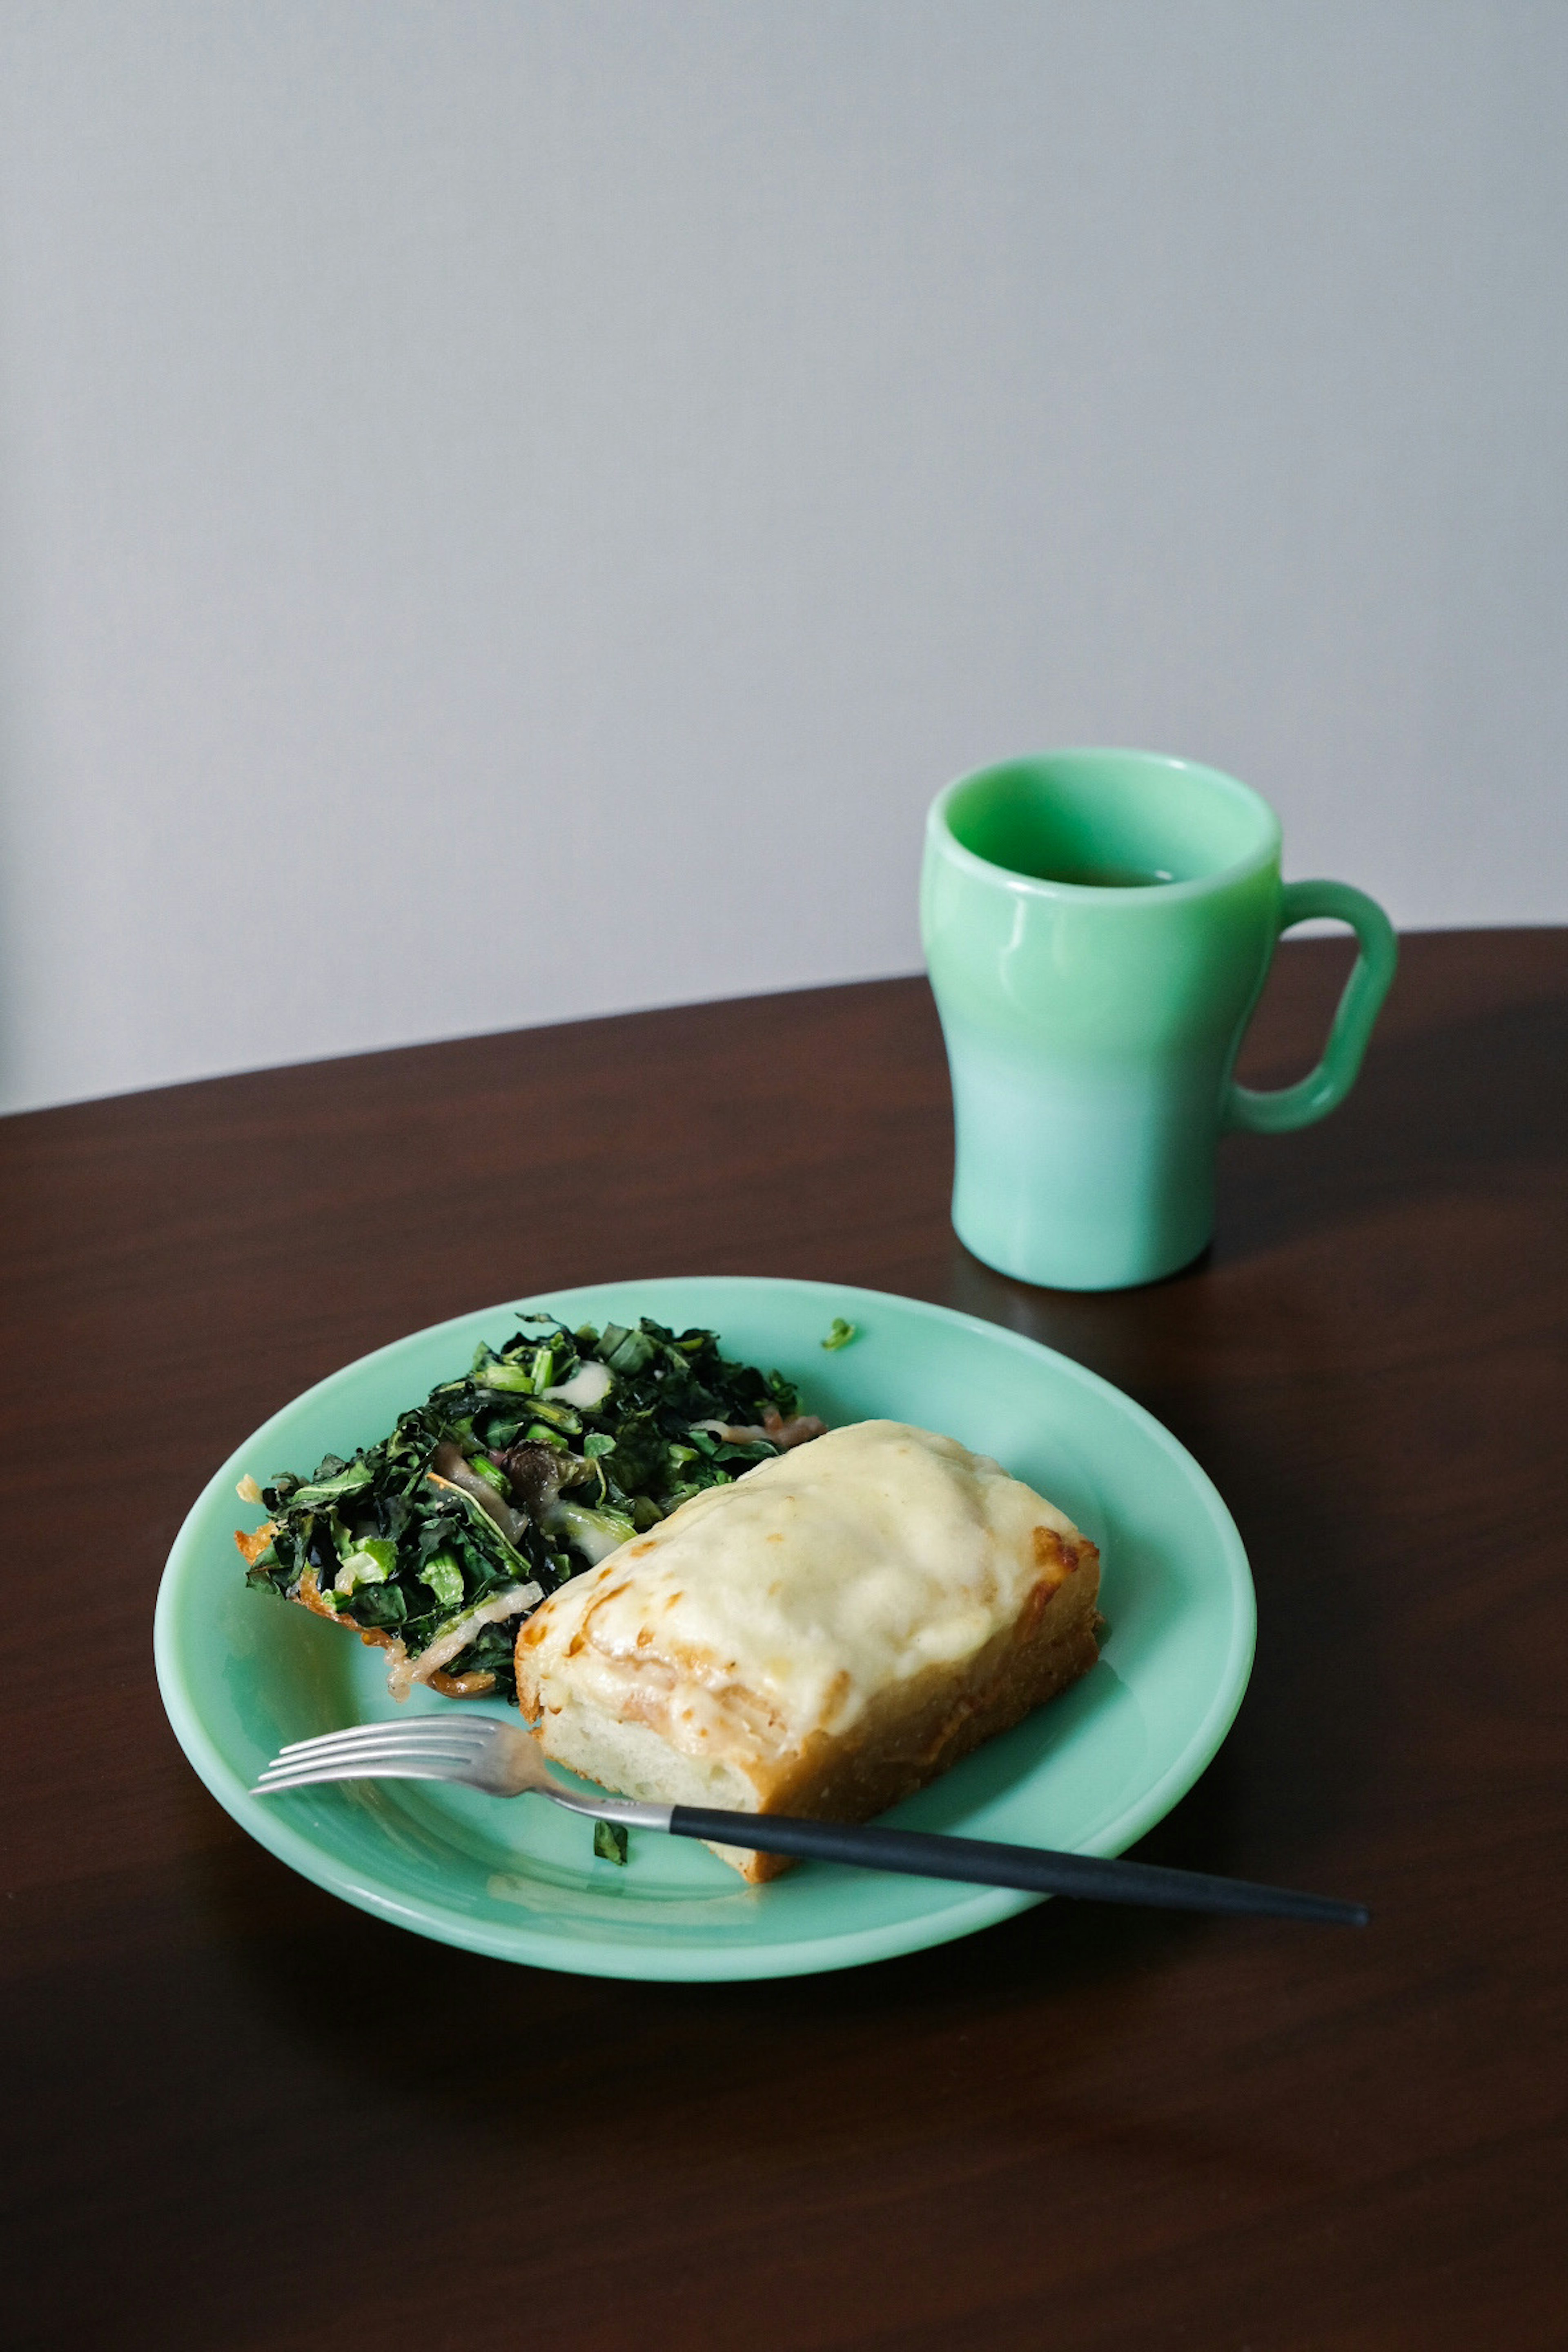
982	1862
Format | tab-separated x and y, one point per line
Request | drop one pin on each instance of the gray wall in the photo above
510	512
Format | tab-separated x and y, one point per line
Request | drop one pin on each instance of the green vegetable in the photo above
482	1528
598	1533
333	1490
418	1552
558	1415
443	1573
625	1352
370	1562
610	1841
383	1606
841	1334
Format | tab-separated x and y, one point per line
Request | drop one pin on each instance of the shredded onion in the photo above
799	1429
589	1385
407	1671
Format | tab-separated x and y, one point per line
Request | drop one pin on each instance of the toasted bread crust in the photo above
253	1545
911	1734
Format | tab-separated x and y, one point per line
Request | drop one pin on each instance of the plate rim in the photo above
684	1964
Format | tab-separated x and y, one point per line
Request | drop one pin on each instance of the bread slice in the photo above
824	1637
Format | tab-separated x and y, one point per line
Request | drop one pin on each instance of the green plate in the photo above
242	1673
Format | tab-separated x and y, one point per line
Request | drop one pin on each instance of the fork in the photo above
504	1762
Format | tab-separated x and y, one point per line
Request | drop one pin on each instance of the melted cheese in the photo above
781	1603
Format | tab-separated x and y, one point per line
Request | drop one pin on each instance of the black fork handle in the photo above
983	1862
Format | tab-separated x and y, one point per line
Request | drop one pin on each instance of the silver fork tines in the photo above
417	1751
389	1768
498	1757
482	1753
420	1731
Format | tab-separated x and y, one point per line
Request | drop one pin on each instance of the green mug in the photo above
1097	927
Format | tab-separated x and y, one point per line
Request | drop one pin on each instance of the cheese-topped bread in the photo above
823	1637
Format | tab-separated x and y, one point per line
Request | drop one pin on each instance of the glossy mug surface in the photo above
1097	928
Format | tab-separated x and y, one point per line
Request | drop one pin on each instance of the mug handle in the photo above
1274	1110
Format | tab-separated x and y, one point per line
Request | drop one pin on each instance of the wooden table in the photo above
227	2123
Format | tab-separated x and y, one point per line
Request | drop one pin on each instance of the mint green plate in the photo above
241	1672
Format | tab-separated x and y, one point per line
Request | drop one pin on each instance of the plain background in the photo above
511	512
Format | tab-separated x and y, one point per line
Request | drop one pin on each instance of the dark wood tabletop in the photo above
228	2121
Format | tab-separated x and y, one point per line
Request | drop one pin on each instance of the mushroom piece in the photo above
447	1462
536	1475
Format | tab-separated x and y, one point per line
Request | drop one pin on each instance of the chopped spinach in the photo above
610	1841
525	1470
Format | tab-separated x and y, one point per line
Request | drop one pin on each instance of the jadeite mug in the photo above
1097	927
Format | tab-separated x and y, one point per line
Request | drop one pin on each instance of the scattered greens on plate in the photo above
537	1463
